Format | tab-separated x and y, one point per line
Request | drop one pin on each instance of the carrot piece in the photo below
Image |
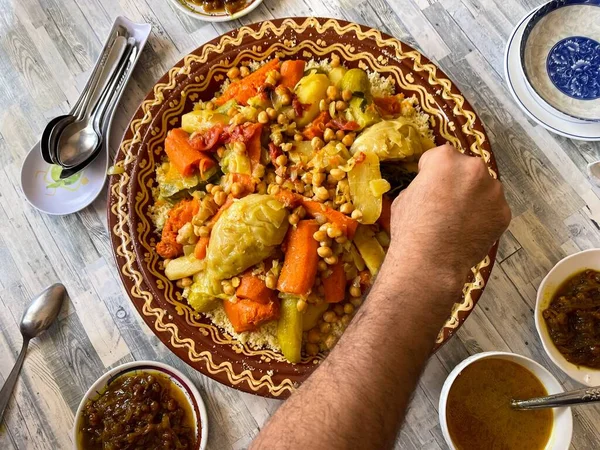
247	87
288	198
335	284
179	215
182	155
291	72
248	315
255	289
300	264
200	248
221	210
347	224
385	217
247	182
317	126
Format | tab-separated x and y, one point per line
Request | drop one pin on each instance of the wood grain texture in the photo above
47	48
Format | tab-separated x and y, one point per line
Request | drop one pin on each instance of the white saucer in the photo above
532	105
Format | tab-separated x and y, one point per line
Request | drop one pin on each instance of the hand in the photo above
449	217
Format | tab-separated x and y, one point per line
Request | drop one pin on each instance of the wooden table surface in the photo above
47	48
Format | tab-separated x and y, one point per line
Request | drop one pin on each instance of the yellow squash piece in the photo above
184	266
312	315
369	247
367	186
289	329
202	119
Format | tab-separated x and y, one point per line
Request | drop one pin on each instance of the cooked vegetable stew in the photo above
271	202
573	319
215	6
139	411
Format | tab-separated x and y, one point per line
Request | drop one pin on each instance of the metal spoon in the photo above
39	315
55	126
78	138
107	104
576	397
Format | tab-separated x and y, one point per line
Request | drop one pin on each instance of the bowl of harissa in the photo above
295	103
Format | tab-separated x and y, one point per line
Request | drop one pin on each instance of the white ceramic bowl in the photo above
562	430
179	379
197	11
588	259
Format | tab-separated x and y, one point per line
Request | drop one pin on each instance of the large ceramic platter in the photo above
197	76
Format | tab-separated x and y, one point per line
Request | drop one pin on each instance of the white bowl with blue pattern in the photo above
560	56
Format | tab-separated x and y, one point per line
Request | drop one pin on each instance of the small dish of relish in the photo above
141	405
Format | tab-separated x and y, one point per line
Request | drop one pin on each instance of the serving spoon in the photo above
37	318
576	397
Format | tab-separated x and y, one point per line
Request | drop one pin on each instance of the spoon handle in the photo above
577	397
10	382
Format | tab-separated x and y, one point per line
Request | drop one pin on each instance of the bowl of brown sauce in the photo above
475	411
141	405
567	316
216	10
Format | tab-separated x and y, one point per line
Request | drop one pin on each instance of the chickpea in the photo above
337	174
261	188
259	171
340	105
291	114
179	284
271	113
349	308
186	282
322	266
346	320
339	135
277	138
317	143
301	305
356	301
271	280
320	236
203	231
328	135
244	71
233	73
281	160
334	232
323	105
239	147
286	99
293	219
339	309
347	208
220	197
235	282
356	214
282	119
228	288
321	219
273	189
301	211
325	252
298	137
307	177
349	139
312	349
209	105
329	317
318	179
279	180
355	291
347	95
332	93
335	60
331	260
314	336
263	117
341	239
325	327
209	187
326	243
322	193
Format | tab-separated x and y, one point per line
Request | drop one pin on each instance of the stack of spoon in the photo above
74	140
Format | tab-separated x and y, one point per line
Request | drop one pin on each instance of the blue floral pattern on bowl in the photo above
573	65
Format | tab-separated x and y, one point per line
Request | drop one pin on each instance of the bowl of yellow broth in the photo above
475	411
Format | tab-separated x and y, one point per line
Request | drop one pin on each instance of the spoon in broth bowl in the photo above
37	318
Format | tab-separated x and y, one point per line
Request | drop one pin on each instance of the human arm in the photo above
442	224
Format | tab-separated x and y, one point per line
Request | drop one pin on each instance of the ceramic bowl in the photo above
193	336
151	367
588	259
198	12
562	430
560	56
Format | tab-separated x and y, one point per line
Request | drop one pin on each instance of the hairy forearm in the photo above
358	396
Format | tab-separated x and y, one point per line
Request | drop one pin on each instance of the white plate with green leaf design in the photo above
44	189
